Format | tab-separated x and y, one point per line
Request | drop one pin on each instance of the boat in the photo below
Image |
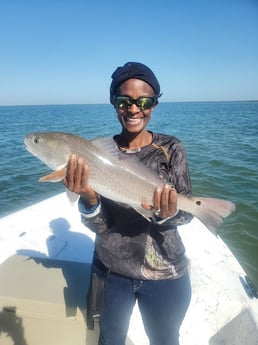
45	260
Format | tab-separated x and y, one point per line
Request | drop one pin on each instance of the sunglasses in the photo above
125	102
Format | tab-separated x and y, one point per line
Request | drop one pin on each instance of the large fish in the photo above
121	178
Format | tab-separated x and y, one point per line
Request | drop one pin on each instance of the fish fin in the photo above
55	176
108	145
211	211
130	162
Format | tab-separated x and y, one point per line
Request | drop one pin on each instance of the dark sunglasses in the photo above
125	102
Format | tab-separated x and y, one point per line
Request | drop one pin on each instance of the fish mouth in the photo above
27	147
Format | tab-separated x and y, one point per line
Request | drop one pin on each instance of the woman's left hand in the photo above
164	201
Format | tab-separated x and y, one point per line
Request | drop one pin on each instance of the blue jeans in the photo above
163	304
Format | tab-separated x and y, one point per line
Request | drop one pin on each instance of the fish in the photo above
116	176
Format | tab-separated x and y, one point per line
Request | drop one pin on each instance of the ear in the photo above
157	99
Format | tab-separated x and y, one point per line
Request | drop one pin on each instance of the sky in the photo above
64	51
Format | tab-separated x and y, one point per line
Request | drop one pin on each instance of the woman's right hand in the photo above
76	180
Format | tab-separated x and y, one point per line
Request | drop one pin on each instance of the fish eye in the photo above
36	140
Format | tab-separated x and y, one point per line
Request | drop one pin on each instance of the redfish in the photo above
125	180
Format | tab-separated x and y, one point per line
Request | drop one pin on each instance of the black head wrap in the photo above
133	70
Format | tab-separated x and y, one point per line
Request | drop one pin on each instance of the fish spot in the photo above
198	202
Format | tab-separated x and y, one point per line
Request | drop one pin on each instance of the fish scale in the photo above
111	178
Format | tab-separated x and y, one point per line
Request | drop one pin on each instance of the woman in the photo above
139	259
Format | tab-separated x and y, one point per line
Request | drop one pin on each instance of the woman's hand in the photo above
164	202
76	180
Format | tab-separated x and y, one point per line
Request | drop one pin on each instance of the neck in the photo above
133	141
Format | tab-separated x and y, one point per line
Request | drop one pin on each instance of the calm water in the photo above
221	140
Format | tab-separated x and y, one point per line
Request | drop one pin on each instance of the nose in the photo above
133	109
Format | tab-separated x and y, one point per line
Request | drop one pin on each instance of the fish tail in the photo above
211	211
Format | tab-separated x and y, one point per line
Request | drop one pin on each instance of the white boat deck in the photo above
220	310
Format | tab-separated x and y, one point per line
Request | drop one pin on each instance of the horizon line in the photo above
107	103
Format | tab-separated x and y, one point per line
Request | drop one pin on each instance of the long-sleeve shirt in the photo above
129	244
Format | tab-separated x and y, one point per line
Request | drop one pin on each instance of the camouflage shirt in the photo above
127	243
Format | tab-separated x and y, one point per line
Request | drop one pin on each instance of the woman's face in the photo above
133	118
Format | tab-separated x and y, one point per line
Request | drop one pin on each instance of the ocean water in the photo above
221	140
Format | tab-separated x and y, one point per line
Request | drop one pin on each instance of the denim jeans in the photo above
163	304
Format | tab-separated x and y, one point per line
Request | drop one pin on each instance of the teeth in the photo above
133	120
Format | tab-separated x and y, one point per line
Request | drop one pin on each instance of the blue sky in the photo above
64	51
